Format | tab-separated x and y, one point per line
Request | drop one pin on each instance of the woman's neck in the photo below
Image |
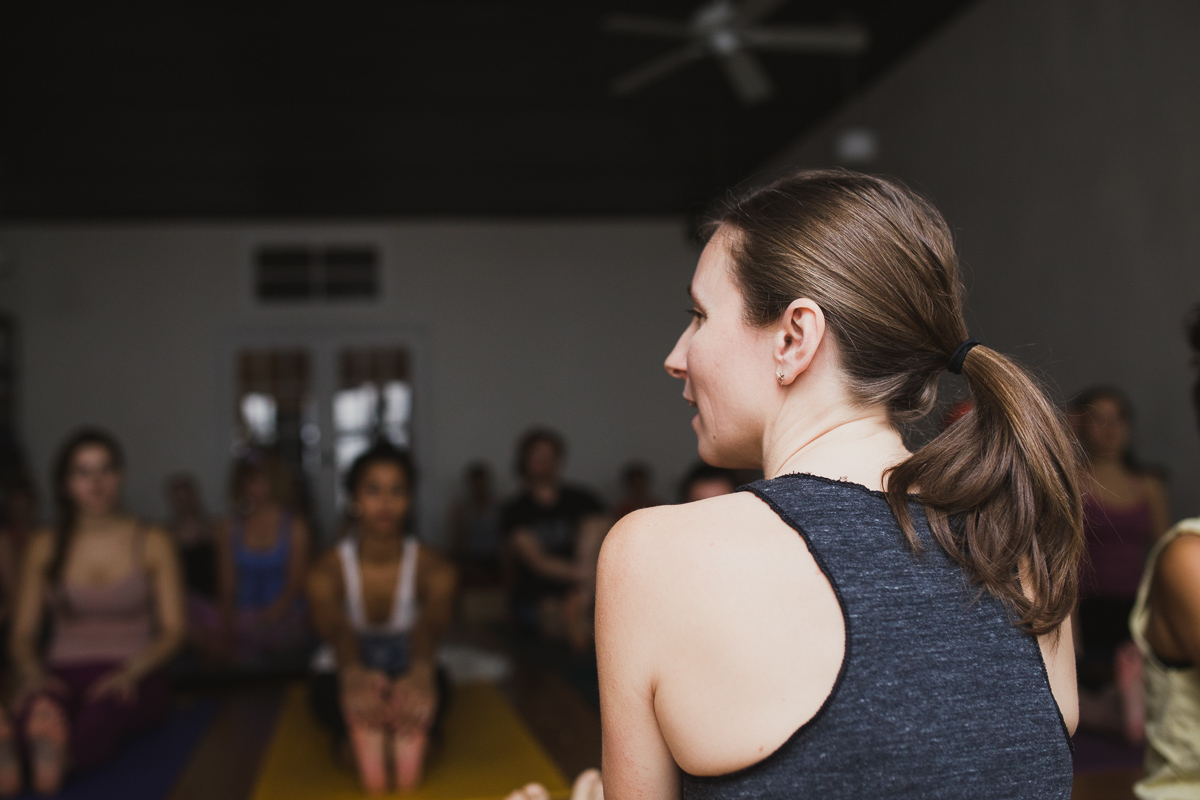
100	521
544	491
856	445
260	510
1108	463
379	546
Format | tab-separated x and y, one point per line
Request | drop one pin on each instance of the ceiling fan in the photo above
730	32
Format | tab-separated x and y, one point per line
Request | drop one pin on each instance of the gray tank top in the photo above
939	696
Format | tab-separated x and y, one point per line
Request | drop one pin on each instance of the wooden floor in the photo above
568	727
1115	785
226	762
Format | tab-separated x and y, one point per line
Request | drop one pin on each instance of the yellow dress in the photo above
1172	701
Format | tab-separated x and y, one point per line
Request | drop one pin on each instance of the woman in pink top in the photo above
114	587
1125	511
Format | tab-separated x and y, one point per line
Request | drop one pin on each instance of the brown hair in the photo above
879	260
68	514
533	437
260	462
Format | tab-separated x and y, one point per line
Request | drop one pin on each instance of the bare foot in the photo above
409	759
1127	668
368	753
10	767
530	791
47	745
588	786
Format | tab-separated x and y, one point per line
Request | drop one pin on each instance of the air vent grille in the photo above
287	273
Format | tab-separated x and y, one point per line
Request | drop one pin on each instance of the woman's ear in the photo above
796	339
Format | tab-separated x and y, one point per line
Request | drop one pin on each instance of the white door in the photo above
318	398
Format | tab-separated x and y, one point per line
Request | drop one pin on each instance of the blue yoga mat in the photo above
147	767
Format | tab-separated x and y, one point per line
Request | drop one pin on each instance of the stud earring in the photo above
779	377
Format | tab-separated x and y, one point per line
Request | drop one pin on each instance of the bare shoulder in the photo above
433	566
691	527
159	544
329	562
299	527
671	552
1179	562
325	574
41	546
1155	487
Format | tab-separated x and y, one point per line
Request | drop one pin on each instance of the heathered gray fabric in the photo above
939	695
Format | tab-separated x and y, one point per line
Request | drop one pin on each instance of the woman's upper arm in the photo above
637	760
437	580
323	587
298	565
162	561
1177	580
31	586
226	570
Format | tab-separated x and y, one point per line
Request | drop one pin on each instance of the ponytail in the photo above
1008	473
1002	484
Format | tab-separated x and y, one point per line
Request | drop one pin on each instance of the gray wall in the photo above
1061	139
559	323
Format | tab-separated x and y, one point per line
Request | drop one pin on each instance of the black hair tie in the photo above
960	355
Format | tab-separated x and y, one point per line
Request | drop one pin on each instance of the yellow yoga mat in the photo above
486	753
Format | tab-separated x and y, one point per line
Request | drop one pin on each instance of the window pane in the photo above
354	410
259	414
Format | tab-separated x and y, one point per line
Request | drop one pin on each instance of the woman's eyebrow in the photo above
692	296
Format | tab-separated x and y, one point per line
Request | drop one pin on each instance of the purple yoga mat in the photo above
148	766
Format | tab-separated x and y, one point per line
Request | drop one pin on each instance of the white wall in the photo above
561	323
1061	139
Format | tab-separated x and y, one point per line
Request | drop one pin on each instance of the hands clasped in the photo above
405	704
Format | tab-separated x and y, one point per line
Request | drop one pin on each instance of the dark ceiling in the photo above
452	107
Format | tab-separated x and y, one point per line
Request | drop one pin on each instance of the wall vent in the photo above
289	273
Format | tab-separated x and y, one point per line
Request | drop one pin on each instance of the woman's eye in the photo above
695	314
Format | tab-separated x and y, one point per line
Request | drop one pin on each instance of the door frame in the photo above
323	342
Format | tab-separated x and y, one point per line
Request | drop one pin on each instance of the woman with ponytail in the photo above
866	621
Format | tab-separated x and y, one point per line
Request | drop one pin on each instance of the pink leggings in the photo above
99	727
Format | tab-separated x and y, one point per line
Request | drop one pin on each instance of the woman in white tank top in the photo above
381	601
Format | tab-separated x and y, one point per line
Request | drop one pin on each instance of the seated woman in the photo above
1166	627
381	601
1125	510
262	557
865	622
116	593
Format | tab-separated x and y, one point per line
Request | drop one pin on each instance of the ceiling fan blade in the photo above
751	11
747	75
844	40
653	70
645	26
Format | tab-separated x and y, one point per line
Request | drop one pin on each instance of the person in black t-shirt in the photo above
553	534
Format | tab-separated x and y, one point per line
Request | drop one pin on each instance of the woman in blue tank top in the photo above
867	622
262	558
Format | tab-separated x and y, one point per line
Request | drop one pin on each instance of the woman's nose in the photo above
676	363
